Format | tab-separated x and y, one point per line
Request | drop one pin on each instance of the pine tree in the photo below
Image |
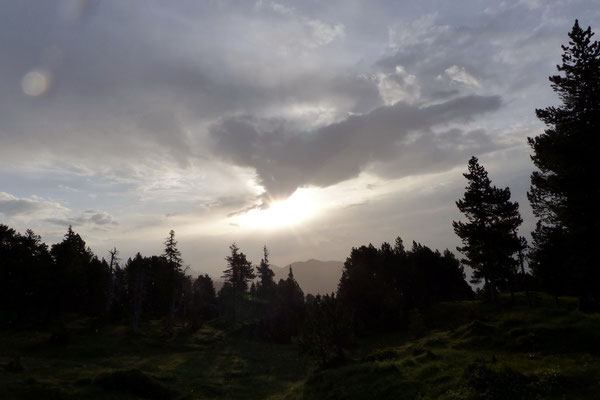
239	270
173	257
204	300
565	191
288	310
490	234
266	284
73	260
238	273
172	254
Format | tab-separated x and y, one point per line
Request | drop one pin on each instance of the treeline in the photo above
377	290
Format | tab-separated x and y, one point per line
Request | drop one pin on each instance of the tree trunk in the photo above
525	281
111	281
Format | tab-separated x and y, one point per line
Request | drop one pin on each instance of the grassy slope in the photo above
548	352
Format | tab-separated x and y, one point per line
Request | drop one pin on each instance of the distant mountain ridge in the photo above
313	276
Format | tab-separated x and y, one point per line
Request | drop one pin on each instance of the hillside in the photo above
462	350
468	350
313	276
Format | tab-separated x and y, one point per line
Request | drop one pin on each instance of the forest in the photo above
405	322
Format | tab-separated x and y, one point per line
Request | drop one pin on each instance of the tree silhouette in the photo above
489	236
204	299
136	271
327	332
27	278
379	286
173	258
565	191
112	266
82	279
238	273
266	284
171	253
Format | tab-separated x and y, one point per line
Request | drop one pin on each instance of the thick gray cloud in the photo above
140	82
404	133
11	206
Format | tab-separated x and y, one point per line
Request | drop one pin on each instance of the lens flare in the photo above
35	83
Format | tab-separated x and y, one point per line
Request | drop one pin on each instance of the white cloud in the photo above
460	75
397	86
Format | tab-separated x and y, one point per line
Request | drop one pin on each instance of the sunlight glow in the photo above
299	207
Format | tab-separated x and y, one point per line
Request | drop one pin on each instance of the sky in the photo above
308	126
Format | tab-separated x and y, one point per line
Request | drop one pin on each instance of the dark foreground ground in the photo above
463	350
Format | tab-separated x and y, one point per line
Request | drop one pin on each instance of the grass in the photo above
464	350
475	351
103	361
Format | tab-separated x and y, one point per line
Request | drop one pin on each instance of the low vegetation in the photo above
461	350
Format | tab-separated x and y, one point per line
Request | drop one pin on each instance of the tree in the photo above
238	273
284	314
565	190
173	257
266	284
490	234
379	286
112	266
137	272
171	253
81	278
327	331
26	277
204	300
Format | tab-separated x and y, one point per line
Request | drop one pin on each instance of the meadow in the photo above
454	350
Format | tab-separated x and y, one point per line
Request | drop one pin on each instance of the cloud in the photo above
316	32
397	86
87	217
150	97
36	208
181	108
12	206
285	161
460	75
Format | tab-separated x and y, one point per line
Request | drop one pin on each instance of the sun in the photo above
297	208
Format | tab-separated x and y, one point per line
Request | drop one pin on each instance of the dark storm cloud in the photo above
286	161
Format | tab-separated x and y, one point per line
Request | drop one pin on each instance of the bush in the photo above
492	385
327	332
509	384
